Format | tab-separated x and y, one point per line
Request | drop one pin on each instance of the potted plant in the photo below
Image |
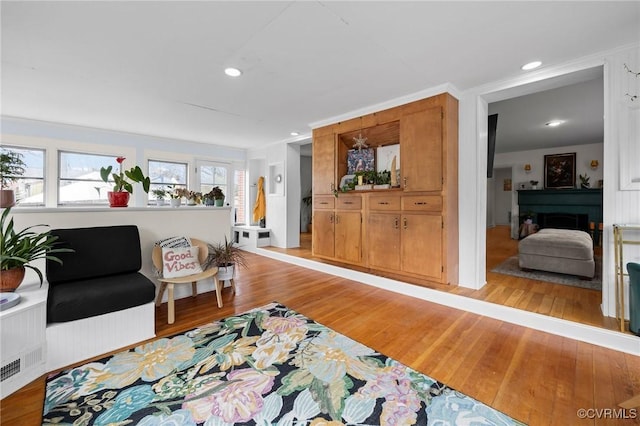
306	212
382	180
584	181
160	194
11	167
193	198
225	256
534	184
209	198
19	249
218	196
176	195
122	188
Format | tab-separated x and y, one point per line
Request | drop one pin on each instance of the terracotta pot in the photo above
118	199
7	198
11	279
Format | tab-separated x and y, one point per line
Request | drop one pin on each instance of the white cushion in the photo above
180	262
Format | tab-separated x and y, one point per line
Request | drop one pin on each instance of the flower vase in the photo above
219	202
118	198
175	202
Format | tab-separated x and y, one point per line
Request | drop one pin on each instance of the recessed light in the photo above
232	72
295	134
555	123
531	65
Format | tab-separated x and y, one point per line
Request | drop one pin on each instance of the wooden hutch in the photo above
409	232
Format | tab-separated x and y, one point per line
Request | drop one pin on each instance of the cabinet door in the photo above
348	236
324	164
421	150
323	233
422	245
384	240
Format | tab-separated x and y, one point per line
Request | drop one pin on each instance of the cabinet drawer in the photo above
384	202
348	203
324	202
430	203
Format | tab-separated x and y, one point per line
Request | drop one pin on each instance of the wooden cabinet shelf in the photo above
410	231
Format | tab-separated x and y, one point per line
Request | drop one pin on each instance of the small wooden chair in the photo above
168	283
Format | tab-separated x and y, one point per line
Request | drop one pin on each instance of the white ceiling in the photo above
156	67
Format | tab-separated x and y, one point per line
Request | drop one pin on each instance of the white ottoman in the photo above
564	251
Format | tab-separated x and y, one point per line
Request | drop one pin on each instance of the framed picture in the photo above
360	160
560	171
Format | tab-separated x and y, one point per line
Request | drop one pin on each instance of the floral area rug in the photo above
268	366
511	267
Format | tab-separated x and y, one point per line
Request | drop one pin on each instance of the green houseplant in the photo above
19	249
123	188
160	194
225	256
218	196
11	167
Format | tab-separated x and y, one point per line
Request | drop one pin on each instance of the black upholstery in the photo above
100	276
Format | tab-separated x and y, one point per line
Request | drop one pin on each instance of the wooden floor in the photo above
535	377
560	301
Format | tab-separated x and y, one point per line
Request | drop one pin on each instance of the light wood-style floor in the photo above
560	301
535	377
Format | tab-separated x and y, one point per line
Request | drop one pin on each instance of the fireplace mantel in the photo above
577	201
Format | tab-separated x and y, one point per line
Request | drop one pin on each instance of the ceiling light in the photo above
232	72
555	123
295	134
531	65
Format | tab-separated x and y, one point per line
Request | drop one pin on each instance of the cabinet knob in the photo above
337	219
420	203
330	218
348	202
405	181
396	224
404	223
384	203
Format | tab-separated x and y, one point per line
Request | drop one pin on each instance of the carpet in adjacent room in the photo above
510	267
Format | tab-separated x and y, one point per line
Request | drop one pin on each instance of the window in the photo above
80	181
29	188
214	175
167	175
239	197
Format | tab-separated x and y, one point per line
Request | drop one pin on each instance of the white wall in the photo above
584	155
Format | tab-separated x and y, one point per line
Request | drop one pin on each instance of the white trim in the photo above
560	327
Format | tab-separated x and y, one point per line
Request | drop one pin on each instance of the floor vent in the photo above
10	370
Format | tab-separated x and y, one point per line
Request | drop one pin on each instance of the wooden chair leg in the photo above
194	289
233	286
631	403
163	285
170	305
218	284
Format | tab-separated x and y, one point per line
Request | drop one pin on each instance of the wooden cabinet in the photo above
421	150
338	231
422	245
348	236
323	162
384	240
410	231
322	238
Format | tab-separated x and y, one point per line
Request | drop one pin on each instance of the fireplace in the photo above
563	221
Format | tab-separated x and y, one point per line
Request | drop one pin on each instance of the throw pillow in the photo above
180	261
